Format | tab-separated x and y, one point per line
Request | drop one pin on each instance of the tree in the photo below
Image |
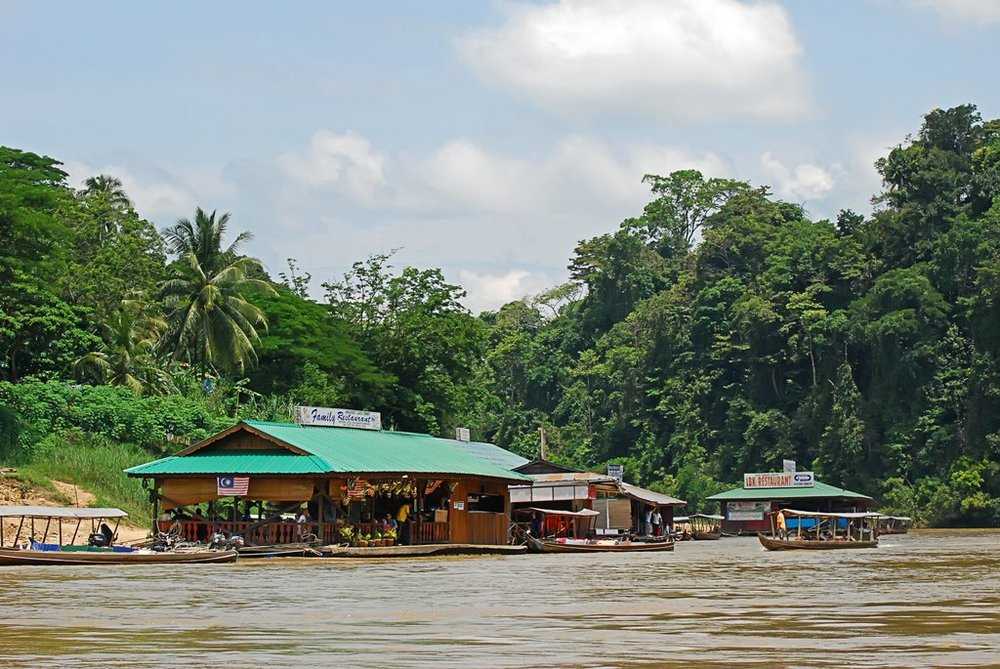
210	321
127	355
202	238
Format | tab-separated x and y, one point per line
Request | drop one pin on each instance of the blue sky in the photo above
483	138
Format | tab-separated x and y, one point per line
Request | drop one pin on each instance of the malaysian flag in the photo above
237	486
432	486
356	488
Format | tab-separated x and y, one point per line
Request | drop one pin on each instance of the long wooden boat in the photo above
705	536
423	550
775	544
279	550
549	546
9	557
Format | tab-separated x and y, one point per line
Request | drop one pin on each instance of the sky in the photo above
484	138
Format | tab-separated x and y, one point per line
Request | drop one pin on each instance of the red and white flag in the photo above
432	486
356	488
236	486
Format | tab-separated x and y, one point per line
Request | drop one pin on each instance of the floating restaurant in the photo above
277	483
621	507
747	510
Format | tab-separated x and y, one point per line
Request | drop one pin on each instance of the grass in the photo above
96	468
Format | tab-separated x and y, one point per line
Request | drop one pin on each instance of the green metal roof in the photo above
501	457
818	490
330	450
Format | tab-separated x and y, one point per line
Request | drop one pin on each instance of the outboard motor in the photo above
102	538
235	542
217	540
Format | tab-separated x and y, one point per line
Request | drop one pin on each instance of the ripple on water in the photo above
924	599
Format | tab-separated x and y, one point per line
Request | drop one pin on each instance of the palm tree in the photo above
109	188
203	238
210	321
127	355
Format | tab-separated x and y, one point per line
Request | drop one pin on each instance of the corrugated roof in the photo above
501	457
649	496
820	489
334	450
570	477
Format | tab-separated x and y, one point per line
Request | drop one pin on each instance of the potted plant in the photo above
390	537
364	540
347	535
377	539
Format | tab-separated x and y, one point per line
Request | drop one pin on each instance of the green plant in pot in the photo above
347	535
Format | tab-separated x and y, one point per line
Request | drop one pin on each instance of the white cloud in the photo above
682	58
805	181
969	11
157	195
488	291
500	223
345	161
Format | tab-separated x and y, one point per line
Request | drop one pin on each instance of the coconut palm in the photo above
127	354
106	196
203	238
210	321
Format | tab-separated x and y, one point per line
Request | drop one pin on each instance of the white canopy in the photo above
59	512
582	513
830	514
684	519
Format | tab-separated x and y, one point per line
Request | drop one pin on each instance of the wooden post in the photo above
155	494
78	521
19	526
32	528
1	532
48	521
60	531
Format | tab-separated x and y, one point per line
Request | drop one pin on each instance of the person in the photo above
404	527
536	525
648	529
657	521
781	524
301	519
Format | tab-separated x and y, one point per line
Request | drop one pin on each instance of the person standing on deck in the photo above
657	522
648	525
781	524
404	527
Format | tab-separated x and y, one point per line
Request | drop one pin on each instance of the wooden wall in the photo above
194	490
477	527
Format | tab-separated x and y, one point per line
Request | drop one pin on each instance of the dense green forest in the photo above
717	332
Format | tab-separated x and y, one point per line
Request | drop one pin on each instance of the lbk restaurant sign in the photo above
779	480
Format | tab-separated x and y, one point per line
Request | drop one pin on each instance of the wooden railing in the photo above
285	532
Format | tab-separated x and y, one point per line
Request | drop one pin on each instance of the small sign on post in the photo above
365	420
616	472
788	466
462	434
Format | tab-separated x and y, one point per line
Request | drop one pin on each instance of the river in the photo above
929	598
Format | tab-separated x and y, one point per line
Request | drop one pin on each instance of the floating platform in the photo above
423	550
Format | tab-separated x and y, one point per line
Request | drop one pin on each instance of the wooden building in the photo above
342	476
621	506
746	511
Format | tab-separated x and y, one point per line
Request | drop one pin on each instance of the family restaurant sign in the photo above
366	420
779	480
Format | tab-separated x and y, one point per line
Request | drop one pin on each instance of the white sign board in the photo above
462	434
747	510
788	466
779	480
616	471
365	420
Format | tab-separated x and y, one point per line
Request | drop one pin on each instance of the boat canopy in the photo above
649	496
706	516
59	512
830	514
582	513
902	519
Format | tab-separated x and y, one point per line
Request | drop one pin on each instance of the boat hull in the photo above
54	558
538	546
706	536
288	550
773	544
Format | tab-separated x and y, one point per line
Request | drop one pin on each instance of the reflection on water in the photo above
923	599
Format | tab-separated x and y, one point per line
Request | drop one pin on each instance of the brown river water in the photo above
927	599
